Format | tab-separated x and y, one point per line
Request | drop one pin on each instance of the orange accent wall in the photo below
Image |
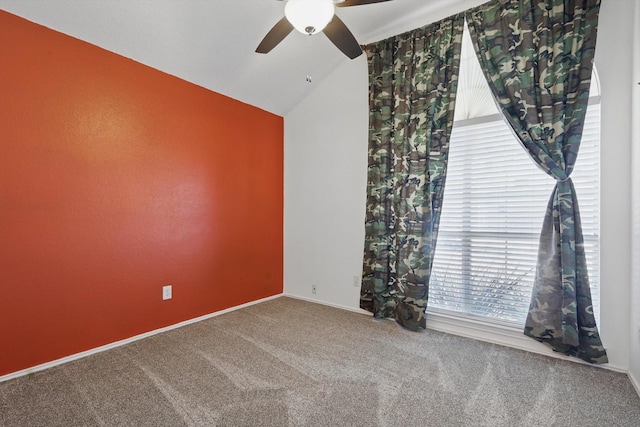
117	179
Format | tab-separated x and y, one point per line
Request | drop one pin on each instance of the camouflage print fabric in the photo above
537	56
412	85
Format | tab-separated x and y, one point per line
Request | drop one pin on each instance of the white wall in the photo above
634	354
614	65
325	187
325	182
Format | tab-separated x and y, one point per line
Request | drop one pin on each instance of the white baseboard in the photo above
342	307
106	347
635	382
501	335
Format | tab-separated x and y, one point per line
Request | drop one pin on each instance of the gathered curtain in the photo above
537	56
413	81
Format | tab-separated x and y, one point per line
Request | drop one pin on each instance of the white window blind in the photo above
494	203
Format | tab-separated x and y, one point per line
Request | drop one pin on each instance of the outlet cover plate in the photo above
167	292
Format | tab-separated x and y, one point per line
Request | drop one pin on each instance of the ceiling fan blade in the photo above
340	36
279	31
348	3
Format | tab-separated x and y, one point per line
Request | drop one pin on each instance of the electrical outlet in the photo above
356	281
313	289
167	292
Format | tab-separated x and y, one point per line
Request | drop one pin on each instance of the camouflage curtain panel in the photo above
537	56
412	86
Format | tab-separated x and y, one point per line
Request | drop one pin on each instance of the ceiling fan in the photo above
314	16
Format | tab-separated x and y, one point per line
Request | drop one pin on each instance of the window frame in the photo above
448	316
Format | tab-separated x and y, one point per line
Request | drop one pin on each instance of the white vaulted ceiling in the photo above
211	42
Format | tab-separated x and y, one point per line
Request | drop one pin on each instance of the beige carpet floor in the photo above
287	362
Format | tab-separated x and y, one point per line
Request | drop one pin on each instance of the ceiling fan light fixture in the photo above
309	16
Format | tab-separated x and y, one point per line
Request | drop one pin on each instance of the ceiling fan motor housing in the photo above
309	16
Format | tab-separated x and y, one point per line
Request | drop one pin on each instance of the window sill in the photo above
508	336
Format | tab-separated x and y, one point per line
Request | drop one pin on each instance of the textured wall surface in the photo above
117	179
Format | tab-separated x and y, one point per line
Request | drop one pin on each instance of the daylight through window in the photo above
494	203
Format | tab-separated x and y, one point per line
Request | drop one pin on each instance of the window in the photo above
494	203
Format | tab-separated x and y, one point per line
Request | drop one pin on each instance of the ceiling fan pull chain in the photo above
309	57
